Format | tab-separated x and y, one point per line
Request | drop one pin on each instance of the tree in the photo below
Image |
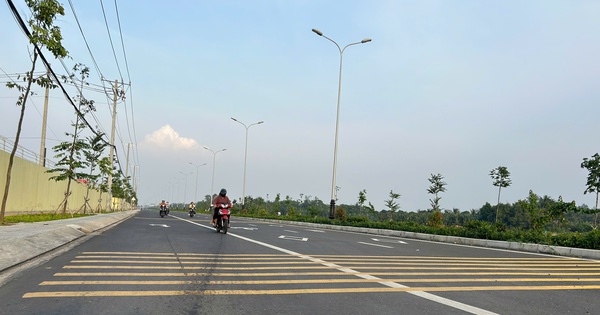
95	147
437	186
105	170
593	180
391	203
501	179
72	153
44	34
362	198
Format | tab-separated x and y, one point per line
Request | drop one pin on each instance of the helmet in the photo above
163	200
223	192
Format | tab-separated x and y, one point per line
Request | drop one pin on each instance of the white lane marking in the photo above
375	245
294	238
290	231
432	297
243	228
388	241
318	231
161	225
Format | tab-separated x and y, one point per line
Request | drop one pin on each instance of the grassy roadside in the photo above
39	217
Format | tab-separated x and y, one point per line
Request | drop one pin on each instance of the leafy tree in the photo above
391	203
43	34
558	210
501	179
535	214
593	180
486	213
95	148
362	198
437	186
104	167
72	153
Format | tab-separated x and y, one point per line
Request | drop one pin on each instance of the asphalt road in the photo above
180	265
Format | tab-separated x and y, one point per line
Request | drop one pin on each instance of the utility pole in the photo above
134	179
44	120
112	144
127	167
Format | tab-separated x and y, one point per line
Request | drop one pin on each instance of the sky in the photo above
450	87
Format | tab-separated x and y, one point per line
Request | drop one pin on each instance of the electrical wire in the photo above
24	28
85	39
110	38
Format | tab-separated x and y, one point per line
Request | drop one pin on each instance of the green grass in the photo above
40	217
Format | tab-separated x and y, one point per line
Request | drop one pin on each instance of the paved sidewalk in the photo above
24	241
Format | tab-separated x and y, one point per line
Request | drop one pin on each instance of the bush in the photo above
340	214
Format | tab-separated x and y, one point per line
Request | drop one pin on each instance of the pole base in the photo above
331	209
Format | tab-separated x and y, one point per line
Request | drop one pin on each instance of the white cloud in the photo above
167	138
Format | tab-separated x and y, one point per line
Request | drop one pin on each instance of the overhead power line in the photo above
24	28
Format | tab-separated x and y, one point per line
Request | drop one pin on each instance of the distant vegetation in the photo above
534	219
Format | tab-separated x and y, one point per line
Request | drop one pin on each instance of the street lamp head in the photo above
316	31
233	119
260	122
366	40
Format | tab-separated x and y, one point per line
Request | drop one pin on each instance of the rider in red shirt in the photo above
220	199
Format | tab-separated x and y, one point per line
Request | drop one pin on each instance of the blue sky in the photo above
450	87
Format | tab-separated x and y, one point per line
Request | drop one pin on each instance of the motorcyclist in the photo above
192	206
163	204
220	199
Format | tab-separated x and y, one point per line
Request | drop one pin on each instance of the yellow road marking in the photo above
315	281
302	291
176	257
323	267
187	254
549	264
282	274
196	262
344	257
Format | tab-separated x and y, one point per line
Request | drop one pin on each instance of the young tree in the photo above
437	186
44	34
72	153
593	180
501	179
391	203
104	167
362	198
95	148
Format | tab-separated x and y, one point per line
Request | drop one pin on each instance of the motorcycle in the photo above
192	212
163	211
223	215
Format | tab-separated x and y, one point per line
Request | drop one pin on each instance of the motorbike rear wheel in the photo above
225	225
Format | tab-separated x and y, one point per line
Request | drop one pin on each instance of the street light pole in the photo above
245	158
337	119
212	185
185	186
196	191
178	181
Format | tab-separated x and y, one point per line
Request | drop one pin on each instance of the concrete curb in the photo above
22	242
516	246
